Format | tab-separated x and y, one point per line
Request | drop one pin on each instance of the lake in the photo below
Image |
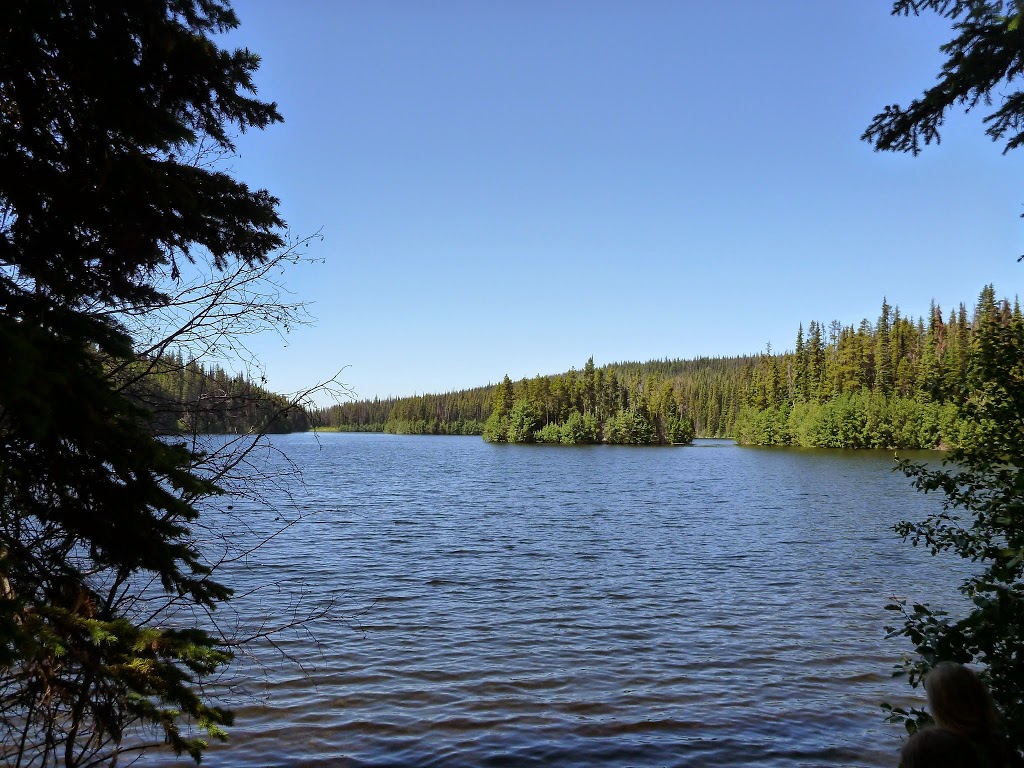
514	605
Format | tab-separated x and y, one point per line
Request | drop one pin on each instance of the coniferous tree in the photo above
102	105
982	519
816	362
802	374
883	362
929	373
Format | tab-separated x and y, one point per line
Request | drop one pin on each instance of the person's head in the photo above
959	701
938	748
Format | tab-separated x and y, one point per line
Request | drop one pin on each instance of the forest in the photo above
892	383
185	396
591	406
661	401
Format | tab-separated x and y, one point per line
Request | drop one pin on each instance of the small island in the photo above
593	406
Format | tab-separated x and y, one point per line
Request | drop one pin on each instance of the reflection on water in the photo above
503	605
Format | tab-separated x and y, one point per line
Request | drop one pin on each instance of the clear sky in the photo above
514	187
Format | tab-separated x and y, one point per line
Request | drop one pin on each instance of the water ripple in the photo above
529	606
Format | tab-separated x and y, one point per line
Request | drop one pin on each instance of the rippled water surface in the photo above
507	605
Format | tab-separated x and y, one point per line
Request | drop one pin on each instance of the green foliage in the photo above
982	479
705	395
549	433
453	413
188	397
629	427
680	430
428	427
764	426
522	422
579	409
893	384
580	429
982	520
113	114
982	60
496	428
853	420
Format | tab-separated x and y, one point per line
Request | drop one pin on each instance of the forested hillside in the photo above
892	383
895	383
707	391
451	413
186	396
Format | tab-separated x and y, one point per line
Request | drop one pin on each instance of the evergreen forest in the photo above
188	397
896	382
657	402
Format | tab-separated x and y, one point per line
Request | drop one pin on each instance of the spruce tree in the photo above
983	61
883	361
106	110
801	378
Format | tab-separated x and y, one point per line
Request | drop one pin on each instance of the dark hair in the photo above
960	702
939	748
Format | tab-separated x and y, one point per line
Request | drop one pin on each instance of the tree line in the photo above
450	413
190	397
590	406
894	383
627	402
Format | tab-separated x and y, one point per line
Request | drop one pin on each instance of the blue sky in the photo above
514	187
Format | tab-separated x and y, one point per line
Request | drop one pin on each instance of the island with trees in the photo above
657	402
896	382
592	407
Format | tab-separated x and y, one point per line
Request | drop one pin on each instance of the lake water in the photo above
504	605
